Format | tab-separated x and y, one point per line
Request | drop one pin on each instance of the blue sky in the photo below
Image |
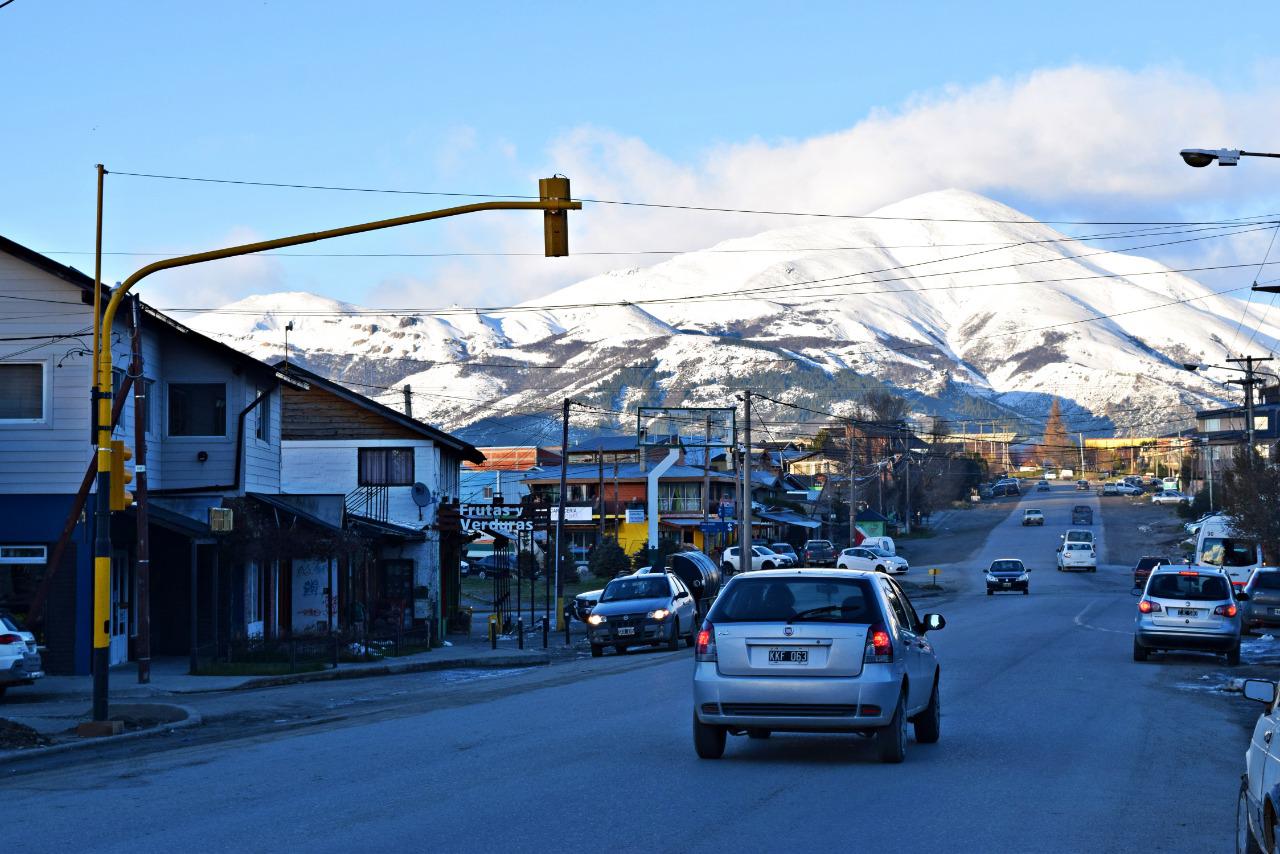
704	102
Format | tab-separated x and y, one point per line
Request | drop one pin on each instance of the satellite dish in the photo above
422	495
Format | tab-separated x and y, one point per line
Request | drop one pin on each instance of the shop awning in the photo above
789	517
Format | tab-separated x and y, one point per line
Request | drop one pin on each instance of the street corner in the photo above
37	733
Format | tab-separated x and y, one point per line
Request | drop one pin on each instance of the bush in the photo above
1198	507
607	559
655	557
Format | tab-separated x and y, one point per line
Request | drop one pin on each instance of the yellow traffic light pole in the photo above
554	200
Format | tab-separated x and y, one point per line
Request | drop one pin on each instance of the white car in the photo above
19	657
872	559
782	561
1170	496
761	558
1073	556
1259	802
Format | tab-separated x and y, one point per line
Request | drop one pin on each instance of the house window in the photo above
149	403
197	409
22	568
263	430
22	391
488	492
386	466
252	592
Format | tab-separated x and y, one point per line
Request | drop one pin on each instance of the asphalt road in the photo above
1053	740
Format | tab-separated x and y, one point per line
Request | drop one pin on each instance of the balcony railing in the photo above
371	502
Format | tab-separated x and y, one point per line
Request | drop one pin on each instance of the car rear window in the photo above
1079	547
819	600
1194	587
1267	581
1149	562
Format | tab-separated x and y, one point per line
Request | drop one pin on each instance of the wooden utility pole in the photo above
600	494
744	536
564	494
408	401
853	512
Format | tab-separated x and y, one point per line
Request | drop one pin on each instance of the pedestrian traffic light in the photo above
120	499
555	224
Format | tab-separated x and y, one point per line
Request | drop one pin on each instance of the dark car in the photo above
1042	486
819	553
643	610
498	566
1082	486
1007	574
1263	605
1143	568
1081	515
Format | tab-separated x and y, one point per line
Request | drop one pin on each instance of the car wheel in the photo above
879	569
1093	569
768	564
1245	843
620	648
1233	657
1140	652
759	734
928	724
990	592
673	643
892	739
596	650
708	739
726	567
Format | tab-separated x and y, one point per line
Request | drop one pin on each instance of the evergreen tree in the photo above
1056	443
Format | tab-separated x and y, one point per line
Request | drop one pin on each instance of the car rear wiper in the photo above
808	611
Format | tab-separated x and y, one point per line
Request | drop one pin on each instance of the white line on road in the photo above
1079	621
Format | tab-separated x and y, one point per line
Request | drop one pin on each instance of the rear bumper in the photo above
23	671
1204	641
797	704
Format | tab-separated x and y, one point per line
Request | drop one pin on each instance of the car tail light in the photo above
1146	606
879	645
11	638
1225	610
705	648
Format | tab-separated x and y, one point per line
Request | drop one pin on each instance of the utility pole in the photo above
600	494
1248	382
853	513
1080	436
706	482
564	494
744	536
906	447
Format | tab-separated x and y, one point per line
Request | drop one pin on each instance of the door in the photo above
1262	764
121	587
919	670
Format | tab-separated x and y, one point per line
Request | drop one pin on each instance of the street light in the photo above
1201	157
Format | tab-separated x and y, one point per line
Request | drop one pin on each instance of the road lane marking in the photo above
1079	621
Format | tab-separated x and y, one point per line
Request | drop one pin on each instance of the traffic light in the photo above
555	224
120	500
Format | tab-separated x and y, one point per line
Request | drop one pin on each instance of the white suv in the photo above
19	658
761	558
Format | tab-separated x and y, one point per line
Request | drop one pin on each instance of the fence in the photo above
291	653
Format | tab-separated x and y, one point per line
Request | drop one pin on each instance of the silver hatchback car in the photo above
801	650
1188	608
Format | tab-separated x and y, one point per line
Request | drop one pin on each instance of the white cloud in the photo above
217	282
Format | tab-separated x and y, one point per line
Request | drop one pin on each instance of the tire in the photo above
692	637
708	739
990	592
759	734
726	567
1026	591
620	648
1245	843
891	740
1093	569
879	569
674	643
596	650
1140	652
768	564
1233	657
928	724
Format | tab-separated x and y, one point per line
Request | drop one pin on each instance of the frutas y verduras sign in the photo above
505	519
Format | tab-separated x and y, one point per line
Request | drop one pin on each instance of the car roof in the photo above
1177	568
810	573
1018	559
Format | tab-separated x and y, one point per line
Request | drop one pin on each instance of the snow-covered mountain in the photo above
965	305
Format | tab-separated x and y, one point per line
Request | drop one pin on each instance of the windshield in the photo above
1266	581
1006	566
1226	551
653	587
1192	587
767	600
876	550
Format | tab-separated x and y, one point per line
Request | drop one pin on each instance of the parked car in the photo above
1073	556
819	553
1110	489
1082	514
1082	486
580	606
20	662
642	610
872	560
1143	568
761	558
1007	574
1262	608
1183	609
1259	801
782	561
785	550
789	651
1033	517
1170	496
495	566
1128	489
1042	486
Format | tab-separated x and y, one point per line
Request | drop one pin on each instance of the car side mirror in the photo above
1260	690
1242	596
682	595
933	622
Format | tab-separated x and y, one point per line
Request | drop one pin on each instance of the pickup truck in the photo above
819	553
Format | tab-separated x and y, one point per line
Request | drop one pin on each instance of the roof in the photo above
85	283
868	515
392	529
467	450
789	517
319	510
626	471
606	443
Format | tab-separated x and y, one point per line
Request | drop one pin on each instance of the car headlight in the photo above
597	619
1024	577
658	614
991	577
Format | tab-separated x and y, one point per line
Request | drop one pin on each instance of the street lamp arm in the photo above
1258	154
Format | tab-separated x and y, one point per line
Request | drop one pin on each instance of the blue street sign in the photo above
727	509
713	527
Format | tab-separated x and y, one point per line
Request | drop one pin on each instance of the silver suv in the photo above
815	651
1188	608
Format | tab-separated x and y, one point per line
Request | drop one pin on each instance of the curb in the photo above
529	659
192	718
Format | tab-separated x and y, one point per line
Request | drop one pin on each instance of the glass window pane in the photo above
22	392
197	409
